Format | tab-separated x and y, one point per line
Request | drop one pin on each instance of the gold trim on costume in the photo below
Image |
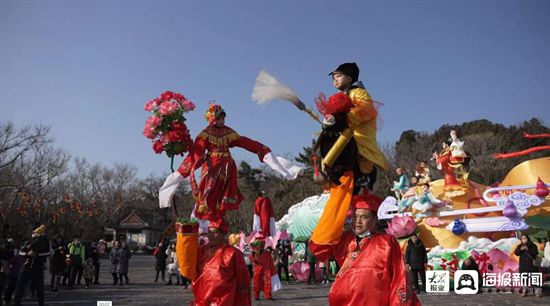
222	141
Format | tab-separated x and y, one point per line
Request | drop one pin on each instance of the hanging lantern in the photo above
510	210
459	227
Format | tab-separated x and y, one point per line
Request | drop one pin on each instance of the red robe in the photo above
263	270
372	273
444	161
264	209
222	277
218	190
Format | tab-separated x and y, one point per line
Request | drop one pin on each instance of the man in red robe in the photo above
372	268
222	274
265	276
218	190
264	217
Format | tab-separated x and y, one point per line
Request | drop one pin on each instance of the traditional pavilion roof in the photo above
133	221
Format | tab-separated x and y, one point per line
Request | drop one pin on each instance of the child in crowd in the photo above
89	272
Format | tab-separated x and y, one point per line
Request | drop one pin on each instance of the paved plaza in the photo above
143	291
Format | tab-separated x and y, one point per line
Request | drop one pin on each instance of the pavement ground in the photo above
142	291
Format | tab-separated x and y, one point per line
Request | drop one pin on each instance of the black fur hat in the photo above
349	69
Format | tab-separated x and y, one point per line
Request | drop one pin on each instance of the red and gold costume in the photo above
372	268
222	275
444	161
372	273
361	117
218	190
264	269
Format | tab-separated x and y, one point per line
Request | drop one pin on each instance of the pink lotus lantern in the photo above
401	226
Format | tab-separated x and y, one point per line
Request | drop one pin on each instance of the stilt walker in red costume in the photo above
372	268
265	276
218	190
222	274
264	217
218	271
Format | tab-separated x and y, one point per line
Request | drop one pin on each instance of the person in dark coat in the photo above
416	259
35	251
311	260
470	264
95	256
160	263
527	252
57	262
15	264
123	260
284	251
114	261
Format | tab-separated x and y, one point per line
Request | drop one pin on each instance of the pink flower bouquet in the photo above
166	126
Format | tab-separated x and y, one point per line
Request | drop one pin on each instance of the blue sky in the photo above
87	67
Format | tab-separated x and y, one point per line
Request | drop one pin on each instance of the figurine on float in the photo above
423	173
444	161
402	185
426	202
459	157
410	196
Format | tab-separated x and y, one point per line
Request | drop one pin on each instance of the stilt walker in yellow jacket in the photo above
361	128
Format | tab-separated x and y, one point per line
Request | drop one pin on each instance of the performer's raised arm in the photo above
251	146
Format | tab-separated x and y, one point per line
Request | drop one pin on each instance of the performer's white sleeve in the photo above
272	228
168	189
286	168
256	223
275	283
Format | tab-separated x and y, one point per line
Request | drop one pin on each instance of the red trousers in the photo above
262	282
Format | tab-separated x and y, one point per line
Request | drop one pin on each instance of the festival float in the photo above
455	217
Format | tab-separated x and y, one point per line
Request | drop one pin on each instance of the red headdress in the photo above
219	224
366	201
214	112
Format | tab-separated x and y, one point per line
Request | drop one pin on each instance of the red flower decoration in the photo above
167	95
158	147
176	135
337	103
178	125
